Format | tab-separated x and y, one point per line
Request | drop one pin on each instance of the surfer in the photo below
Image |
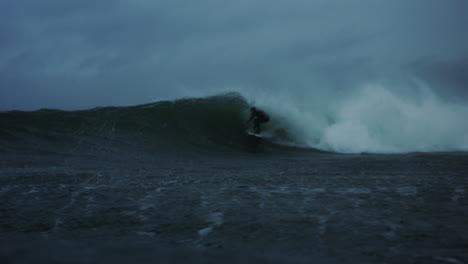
258	116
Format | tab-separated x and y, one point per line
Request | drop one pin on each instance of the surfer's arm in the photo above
250	119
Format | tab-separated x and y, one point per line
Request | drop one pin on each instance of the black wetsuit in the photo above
258	116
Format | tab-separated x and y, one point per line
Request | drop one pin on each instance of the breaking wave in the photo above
374	120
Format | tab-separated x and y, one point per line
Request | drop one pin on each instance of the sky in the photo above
81	54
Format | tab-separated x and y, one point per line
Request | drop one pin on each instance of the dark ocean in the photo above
181	182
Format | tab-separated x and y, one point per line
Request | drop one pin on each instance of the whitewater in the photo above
375	119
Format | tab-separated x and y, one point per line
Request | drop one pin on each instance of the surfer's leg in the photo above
257	126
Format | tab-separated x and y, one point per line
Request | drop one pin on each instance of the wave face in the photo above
217	121
374	120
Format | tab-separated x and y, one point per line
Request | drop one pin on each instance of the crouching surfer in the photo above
258	117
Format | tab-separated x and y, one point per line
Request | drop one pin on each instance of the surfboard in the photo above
253	141
250	133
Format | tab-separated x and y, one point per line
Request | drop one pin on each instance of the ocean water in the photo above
180	182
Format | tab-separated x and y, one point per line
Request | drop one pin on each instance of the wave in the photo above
205	123
374	120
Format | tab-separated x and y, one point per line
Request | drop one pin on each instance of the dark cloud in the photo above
449	77
88	53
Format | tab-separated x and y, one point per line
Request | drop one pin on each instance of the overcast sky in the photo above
78	54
